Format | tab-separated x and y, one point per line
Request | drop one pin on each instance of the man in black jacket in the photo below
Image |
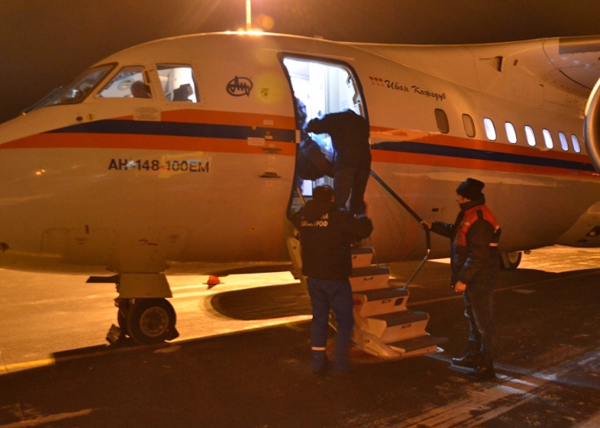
326	233
352	162
311	162
474	238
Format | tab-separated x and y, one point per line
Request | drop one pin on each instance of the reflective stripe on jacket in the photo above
474	238
479	212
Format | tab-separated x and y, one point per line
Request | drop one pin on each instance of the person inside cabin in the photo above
352	162
311	162
326	234
183	93
474	238
140	90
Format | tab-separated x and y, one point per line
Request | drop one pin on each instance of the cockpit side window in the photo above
127	83
79	88
178	82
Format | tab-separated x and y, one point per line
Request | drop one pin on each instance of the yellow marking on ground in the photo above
47	419
26	365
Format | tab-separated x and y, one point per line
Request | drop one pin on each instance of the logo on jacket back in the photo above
322	222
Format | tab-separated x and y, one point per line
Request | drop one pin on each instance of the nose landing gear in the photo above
146	320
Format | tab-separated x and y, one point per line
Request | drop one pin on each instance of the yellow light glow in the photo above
252	32
248	15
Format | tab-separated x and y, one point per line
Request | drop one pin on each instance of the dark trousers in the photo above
337	296
479	310
351	182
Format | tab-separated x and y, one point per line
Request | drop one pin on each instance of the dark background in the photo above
45	43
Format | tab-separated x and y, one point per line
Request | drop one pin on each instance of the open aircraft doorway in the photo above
321	87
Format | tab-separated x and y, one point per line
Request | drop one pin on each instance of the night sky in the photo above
45	43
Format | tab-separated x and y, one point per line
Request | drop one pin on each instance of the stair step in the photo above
369	278
395	326
425	344
383	293
369	303
362	257
402	318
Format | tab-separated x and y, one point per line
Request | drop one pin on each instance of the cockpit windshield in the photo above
79	88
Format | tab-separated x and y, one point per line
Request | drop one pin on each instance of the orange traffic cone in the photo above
212	281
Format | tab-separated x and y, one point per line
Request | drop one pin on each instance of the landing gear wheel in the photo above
510	261
151	321
123	305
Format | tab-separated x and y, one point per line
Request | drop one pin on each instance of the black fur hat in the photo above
471	189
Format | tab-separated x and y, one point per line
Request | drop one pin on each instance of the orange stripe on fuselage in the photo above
223	145
228	118
168	142
146	142
392	135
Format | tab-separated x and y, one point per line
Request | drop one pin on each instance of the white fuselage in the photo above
121	184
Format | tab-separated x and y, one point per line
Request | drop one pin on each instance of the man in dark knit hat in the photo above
474	238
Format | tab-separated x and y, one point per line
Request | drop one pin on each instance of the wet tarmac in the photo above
242	358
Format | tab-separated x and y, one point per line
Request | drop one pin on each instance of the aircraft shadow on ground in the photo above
289	300
292	299
263	302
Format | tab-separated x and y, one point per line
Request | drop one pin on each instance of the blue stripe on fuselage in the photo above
459	152
178	129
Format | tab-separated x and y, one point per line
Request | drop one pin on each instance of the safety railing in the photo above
416	217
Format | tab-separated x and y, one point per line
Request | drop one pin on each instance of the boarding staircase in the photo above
383	325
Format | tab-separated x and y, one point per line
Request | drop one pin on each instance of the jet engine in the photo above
591	126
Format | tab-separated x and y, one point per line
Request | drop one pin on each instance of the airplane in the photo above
179	156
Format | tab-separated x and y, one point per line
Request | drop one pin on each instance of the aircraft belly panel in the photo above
131	210
536	215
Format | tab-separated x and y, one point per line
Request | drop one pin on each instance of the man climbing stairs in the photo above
383	326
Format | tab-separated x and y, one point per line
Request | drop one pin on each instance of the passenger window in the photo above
442	121
469	125
548	139
511	133
127	83
530	136
490	129
575	142
564	144
178	82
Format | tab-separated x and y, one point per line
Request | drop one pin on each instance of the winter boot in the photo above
319	362
471	359
485	370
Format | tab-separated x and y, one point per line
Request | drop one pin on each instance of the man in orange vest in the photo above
474	238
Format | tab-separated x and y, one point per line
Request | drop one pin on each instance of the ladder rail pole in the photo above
300	195
396	197
416	217
428	251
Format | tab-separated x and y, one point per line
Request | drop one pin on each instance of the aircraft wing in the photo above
574	63
569	64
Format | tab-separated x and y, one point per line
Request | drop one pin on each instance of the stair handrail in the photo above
300	195
416	217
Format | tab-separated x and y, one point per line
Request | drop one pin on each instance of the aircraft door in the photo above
319	87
